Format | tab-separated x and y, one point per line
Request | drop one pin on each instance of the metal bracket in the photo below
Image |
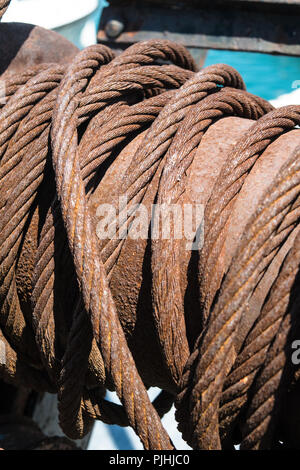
268	26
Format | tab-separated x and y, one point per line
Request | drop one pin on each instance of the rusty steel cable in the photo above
79	315
3	7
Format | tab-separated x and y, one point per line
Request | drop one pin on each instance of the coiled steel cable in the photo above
60	129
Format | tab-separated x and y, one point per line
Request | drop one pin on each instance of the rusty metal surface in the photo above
24	46
261	27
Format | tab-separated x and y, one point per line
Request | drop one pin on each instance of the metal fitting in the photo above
114	28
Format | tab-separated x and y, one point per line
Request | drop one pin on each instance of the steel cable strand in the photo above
227	187
265	232
123	124
147	53
153	50
112	413
13	81
43	279
16	326
140	82
24	100
168	302
46	335
72	418
42	296
221	78
253	354
269	388
178	172
87	147
236	79
91	274
140	172
46	282
12	158
102	96
132	118
4	4
238	384
143	53
159	137
55	277
30	129
276	368
21	171
165	127
92	405
50	321
17	372
182	401
77	402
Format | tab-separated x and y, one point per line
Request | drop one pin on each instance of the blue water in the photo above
265	75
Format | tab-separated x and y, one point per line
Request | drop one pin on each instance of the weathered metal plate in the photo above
265	26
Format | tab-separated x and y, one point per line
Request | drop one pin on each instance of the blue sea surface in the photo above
268	76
